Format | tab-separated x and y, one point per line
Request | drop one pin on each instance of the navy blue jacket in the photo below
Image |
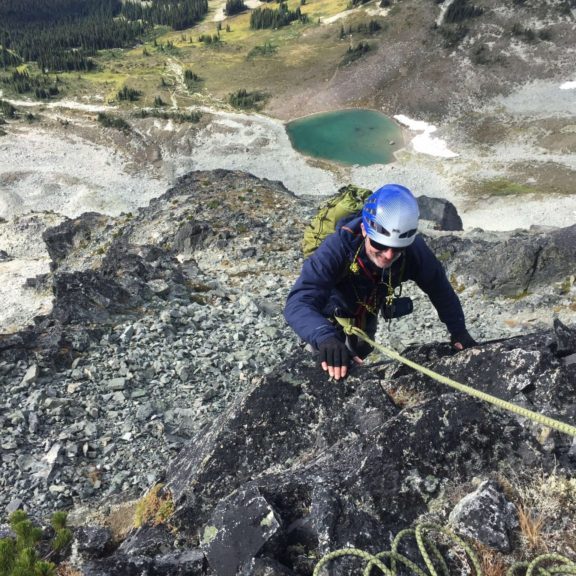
327	283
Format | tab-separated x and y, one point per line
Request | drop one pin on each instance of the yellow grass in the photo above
531	527
492	562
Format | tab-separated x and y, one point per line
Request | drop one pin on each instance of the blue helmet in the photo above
390	216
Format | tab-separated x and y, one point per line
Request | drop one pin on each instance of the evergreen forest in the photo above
64	35
269	18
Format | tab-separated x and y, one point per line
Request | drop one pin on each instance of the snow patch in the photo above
425	143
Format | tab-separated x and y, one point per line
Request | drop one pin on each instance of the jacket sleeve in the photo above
429	275
309	295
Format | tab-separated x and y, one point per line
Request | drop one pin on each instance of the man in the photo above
358	271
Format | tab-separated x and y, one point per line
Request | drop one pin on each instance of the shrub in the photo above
19	556
261	18
247	100
63	536
266	49
370	28
209	39
113	122
353	53
128	94
481	55
155	508
7	110
192	80
453	34
461	10
526	34
180	117
545	35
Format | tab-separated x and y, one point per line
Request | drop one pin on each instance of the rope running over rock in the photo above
349	328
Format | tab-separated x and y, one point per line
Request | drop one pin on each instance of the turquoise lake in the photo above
357	136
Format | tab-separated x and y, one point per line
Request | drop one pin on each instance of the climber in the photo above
358	271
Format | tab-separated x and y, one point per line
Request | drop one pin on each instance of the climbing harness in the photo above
394	305
350	329
388	560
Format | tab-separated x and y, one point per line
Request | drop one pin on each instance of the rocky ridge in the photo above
168	318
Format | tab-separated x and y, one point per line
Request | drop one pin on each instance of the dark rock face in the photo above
62	239
283	418
300	466
92	542
510	264
148	541
85	301
86	297
106	269
440	211
191	235
524	370
239	528
565	340
145	552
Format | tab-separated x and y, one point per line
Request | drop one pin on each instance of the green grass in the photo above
504	187
301	52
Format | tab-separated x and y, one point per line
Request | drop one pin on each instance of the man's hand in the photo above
335	358
462	340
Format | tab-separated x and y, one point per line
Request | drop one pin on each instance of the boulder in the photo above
237	531
440	211
191	236
509	264
487	516
63	238
92	541
285	417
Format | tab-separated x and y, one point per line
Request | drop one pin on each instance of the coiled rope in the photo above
544	565
387	561
350	329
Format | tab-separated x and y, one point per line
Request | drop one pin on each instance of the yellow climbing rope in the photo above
425	547
350	329
387	561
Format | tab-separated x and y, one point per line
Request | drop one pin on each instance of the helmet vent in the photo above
378	228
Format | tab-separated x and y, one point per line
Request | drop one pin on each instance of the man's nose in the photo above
389	253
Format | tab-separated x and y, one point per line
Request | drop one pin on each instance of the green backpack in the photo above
348	200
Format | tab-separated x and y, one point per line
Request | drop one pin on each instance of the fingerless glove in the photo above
464	338
334	353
